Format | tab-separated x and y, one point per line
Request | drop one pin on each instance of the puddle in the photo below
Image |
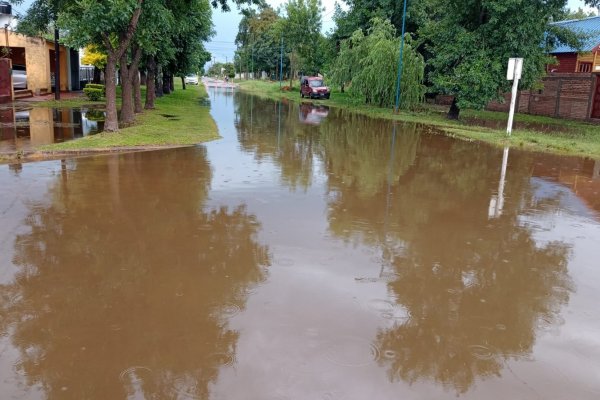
27	128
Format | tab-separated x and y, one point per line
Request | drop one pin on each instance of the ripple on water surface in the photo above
352	352
135	374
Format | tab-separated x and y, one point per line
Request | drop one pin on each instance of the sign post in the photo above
515	67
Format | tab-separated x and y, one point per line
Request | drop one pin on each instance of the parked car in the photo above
19	76
191	80
313	86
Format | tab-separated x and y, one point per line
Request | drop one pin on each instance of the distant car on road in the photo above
19	76
191	80
313	86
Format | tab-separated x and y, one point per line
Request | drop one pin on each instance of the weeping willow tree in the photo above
368	64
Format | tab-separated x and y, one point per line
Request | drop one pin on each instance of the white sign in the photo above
515	67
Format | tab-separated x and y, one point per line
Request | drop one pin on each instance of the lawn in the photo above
179	119
536	132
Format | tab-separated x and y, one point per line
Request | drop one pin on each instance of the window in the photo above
585	67
315	83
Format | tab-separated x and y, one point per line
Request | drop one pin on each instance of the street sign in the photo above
515	67
513	73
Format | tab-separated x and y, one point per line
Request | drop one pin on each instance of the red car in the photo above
313	87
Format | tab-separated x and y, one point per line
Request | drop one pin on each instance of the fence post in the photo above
558	90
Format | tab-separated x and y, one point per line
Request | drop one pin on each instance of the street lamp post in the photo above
400	61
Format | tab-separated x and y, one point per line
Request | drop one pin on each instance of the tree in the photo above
221	69
370	64
470	42
301	31
111	24
259	36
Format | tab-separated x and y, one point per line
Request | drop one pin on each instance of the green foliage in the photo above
259	38
370	63
302	29
95	86
93	94
221	69
471	41
93	55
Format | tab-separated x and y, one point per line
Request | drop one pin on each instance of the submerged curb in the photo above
43	155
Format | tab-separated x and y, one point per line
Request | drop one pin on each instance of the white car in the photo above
191	80
19	75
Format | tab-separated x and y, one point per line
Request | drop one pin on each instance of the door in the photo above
5	80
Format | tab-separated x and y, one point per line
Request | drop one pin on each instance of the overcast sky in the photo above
226	25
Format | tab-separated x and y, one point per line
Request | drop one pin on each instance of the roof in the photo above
589	26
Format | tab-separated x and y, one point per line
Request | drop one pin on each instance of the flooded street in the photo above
308	254
24	128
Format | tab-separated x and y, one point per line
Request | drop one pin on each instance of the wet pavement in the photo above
23	128
309	254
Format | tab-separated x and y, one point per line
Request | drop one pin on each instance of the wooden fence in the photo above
564	95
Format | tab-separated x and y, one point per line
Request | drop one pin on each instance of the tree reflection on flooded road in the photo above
343	258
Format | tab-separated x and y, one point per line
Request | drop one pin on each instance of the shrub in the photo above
94	86
93	94
97	87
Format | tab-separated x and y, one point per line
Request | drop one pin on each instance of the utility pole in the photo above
400	61
56	64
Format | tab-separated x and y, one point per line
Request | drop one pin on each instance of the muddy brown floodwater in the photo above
309	254
22	128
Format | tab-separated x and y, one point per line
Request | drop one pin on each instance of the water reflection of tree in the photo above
271	130
125	268
469	292
357	146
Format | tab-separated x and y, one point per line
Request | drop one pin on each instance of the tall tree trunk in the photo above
183	82
143	78
127	114
454	111
166	83
150	83
135	79
111	124
172	83
159	85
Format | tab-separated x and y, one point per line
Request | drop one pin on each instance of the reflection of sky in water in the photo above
308	330
568	201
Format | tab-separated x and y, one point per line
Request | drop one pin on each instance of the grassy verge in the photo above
535	132
178	120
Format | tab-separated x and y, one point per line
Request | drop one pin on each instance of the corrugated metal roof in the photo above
589	26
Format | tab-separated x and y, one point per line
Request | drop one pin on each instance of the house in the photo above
35	55
584	60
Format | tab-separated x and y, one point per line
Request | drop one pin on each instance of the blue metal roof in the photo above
589	26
